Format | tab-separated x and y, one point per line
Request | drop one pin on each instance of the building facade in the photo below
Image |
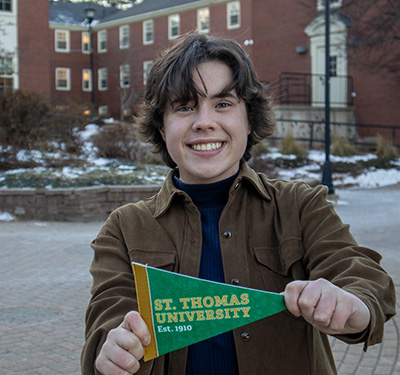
285	39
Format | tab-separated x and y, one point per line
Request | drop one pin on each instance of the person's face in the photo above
207	140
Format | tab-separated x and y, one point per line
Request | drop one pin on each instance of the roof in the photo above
147	6
73	14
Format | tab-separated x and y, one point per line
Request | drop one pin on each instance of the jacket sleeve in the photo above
332	253
113	292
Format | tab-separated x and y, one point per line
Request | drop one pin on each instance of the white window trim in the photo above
100	40
103	110
172	18
100	72
146	68
199	11
321	4
121	37
88	71
68	71
230	8
67	41
145	24
85	33
122	69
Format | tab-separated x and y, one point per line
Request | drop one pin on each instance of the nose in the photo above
204	119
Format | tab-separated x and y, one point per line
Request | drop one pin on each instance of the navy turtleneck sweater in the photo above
216	355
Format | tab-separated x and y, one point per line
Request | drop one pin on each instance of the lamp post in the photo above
90	13
327	169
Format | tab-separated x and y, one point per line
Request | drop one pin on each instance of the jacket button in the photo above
245	336
235	281
237	185
227	234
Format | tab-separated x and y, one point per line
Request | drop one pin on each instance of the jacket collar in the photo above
169	192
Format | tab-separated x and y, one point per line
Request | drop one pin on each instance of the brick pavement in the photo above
45	283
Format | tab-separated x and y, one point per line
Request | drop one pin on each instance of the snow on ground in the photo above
370	178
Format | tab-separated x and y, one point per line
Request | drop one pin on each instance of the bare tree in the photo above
375	33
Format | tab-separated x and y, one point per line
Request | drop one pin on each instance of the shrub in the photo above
341	147
118	141
259	149
28	123
22	120
385	150
289	146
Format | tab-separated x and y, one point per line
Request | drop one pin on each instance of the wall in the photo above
81	204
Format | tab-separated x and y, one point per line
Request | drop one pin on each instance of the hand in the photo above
327	307
123	348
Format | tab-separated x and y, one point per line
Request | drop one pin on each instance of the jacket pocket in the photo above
281	264
157	259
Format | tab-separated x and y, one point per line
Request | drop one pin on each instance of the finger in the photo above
292	293
117	361
135	323
325	308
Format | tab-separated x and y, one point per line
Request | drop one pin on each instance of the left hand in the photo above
327	307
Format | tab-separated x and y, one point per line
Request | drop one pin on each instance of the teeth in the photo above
207	147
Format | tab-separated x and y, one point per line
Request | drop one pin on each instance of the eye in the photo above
223	105
184	108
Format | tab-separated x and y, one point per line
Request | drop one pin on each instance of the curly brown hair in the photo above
170	78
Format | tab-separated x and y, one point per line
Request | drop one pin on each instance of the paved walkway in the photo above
44	284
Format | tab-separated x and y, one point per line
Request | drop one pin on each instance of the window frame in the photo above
124	40
146	32
171	19
3	6
199	20
67	87
67	41
85	45
147	65
89	80
124	72
233	9
102	38
102	74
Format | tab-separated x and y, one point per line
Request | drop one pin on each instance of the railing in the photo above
309	89
315	132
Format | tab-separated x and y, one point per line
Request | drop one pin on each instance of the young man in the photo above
215	218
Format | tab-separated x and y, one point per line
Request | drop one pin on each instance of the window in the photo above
203	20
62	40
333	4
102	79
124	37
148	32
173	26
125	76
146	69
5	5
63	79
85	42
103	110
86	80
333	66
102	41
233	15
6	65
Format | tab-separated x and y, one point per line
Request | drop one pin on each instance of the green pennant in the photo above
181	310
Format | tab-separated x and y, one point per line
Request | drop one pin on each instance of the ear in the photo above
162	132
249	128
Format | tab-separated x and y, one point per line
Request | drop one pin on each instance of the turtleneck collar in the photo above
207	194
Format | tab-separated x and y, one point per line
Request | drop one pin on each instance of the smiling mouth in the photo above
207	146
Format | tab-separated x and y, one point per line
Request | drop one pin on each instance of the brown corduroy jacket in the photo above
271	232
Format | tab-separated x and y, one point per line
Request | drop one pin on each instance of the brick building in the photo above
284	38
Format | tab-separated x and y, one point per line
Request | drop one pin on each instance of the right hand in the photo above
123	348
